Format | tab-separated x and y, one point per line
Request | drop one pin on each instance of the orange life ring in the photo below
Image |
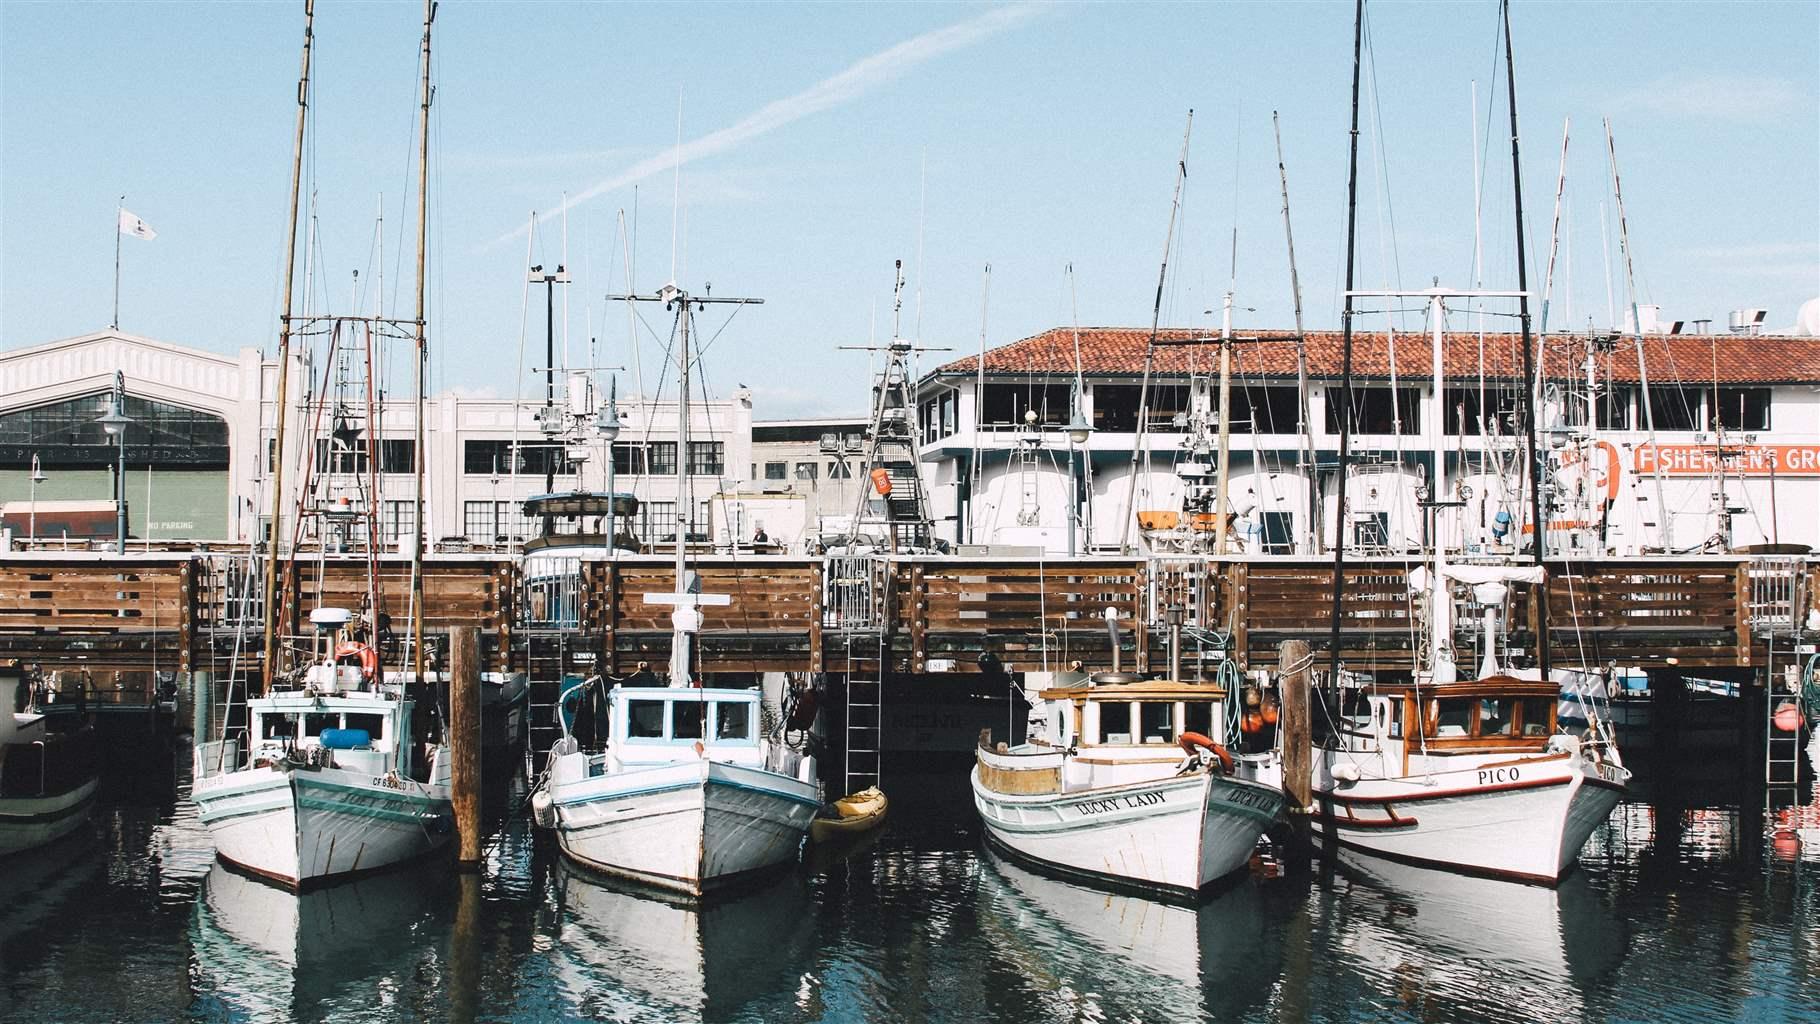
881	480
369	658
1191	740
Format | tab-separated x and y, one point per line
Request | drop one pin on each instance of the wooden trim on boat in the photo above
1025	782
1393	820
1445	794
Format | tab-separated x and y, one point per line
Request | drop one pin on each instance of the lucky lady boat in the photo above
1104	793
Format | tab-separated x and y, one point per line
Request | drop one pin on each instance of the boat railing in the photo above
217	757
854	592
1775	596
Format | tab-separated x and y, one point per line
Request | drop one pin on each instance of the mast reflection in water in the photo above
1677	915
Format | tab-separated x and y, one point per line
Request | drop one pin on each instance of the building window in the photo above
495	522
629	459
807	471
1263	410
1116	406
1615	408
1005	404
535	458
1676	407
707	458
1743	408
397	520
398	455
777	471
66	433
839	470
659	521
660	457
338	455
1378	410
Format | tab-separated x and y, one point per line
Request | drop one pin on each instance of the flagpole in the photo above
118	210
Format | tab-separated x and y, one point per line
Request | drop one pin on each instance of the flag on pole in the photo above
130	224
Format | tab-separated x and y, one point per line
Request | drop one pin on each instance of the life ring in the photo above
1191	740
369	658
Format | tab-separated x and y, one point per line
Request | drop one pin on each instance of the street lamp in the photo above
37	478
115	423
1079	430
606	424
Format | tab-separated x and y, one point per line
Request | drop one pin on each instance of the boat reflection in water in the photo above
1218	960
631	952
1460	946
39	881
269	953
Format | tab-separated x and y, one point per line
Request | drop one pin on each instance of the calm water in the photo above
1679	915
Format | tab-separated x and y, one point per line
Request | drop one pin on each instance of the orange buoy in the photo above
1270	714
882	481
1252	723
1788	717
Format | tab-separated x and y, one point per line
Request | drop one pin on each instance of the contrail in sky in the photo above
852	82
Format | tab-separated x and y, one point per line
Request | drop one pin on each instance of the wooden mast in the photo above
270	651
1532	457
423	190
1352	225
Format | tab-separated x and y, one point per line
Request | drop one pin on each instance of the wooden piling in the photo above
464	741
1296	663
202	707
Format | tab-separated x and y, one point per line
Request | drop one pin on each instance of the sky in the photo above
820	143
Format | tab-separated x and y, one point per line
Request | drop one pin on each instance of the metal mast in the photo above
270	650
1303	426
1352	227
423	355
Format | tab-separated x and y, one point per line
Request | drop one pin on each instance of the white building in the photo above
202	420
1008	478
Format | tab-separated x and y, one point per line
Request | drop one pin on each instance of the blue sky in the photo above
824	141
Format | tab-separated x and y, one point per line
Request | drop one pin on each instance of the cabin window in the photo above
1451	717
1538	714
732	721
1394	712
686	720
373	724
1115	722
315	723
277	727
1496	716
1197	716
1156	722
645	719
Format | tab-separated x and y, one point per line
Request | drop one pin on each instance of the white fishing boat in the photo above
329	781
1104	792
48	776
695	787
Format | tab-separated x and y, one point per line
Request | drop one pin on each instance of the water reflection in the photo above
1095	952
334	953
1437	942
632	954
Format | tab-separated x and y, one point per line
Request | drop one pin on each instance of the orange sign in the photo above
1745	459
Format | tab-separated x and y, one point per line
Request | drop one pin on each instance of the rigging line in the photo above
1138	448
513	452
1387	208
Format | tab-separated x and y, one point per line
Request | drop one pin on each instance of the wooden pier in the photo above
194	611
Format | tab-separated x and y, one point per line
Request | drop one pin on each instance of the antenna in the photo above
676	189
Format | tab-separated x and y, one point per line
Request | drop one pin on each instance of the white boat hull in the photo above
29	822
1526	821
298	827
1181	833
689	826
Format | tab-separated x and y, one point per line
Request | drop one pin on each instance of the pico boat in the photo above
1103	791
48	776
329	781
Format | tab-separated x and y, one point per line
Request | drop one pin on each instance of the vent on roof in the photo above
1747	321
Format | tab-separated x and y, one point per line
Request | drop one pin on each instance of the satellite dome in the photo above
1807	322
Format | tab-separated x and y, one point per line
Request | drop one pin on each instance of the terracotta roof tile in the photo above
1119	351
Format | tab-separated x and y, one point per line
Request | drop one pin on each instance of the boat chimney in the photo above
1174	617
1112	630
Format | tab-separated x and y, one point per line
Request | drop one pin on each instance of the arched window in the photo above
67	434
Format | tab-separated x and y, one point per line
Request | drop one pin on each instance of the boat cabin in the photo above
1136	715
1495	713
357	733
659	724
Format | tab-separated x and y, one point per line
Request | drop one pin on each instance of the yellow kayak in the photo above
861	812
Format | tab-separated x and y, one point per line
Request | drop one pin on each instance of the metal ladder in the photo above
546	662
1781	749
865	717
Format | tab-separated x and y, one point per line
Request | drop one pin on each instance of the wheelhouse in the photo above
1137	715
660	724
360	734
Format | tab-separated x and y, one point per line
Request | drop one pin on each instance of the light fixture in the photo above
1079	430
115	421
606	422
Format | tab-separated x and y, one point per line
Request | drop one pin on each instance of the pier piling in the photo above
464	741
1297	663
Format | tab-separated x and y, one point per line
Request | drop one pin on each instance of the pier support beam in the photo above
1296	667
202	707
464	741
